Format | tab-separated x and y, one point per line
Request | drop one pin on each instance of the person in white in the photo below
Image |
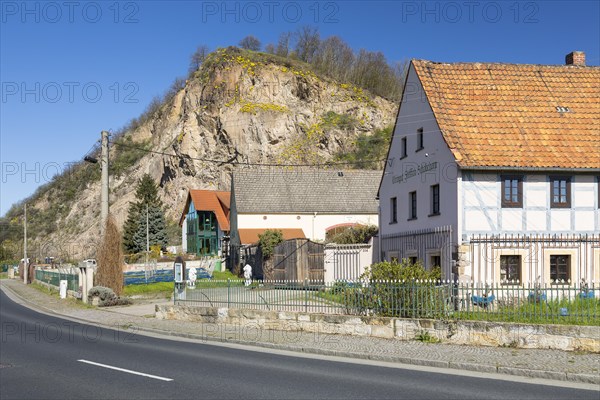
248	274
192	276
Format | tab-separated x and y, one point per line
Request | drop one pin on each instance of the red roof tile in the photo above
505	115
209	200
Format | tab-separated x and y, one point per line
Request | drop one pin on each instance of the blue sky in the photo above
71	69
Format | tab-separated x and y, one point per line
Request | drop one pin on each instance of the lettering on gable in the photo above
412	172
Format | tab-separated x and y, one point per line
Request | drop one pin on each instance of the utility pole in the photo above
104	183
25	263
147	236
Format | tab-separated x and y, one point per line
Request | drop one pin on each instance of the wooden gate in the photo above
299	260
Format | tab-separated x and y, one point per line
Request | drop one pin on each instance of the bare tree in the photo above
198	58
250	43
334	58
307	43
110	259
283	45
270	48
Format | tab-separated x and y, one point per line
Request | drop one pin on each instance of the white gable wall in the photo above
402	175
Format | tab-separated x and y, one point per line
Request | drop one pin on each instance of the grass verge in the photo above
54	293
146	289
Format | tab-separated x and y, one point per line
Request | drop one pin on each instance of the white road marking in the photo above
126	370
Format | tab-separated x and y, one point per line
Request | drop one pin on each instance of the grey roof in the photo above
281	190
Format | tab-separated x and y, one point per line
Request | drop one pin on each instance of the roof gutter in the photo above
531	169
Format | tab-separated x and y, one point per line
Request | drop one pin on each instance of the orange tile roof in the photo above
209	200
505	115
250	236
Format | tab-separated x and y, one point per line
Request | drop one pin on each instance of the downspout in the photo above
379	250
313	225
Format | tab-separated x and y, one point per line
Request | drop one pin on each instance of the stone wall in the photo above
561	337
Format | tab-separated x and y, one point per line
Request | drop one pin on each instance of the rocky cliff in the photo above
239	110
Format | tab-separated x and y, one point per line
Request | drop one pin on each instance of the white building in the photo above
493	171
310	201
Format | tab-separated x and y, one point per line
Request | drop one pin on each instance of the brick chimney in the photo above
575	58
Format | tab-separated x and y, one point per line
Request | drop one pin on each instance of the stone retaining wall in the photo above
561	337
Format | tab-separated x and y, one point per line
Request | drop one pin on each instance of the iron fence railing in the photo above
558	303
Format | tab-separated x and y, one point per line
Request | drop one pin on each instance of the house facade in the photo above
205	222
311	201
493	172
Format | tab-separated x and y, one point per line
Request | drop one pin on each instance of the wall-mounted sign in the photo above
413	171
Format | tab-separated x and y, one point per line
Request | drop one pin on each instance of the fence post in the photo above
305	297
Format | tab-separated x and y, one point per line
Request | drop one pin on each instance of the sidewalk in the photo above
139	318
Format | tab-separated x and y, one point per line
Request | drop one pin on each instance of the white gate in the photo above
346	262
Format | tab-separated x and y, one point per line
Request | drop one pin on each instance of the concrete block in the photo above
382	331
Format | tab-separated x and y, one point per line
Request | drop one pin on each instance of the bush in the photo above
107	297
402	289
354	234
268	240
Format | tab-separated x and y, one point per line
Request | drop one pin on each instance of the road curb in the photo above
475	367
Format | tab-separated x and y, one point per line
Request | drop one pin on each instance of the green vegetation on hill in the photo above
305	50
367	151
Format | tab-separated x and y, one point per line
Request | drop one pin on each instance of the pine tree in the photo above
134	240
157	229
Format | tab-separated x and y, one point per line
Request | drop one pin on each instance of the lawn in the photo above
163	289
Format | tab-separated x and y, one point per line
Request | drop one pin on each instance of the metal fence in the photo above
421	245
526	303
582	255
54	277
160	275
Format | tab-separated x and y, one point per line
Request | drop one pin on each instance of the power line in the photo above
247	163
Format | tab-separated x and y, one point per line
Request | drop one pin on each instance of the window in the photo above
435	200
560	268
420	139
560	192
412	204
510	268
404	148
512	191
413	260
436	261
393	210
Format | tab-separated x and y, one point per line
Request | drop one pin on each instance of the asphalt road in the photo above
51	358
